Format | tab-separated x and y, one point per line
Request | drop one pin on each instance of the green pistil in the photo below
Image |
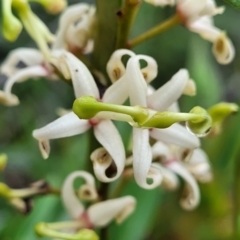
199	121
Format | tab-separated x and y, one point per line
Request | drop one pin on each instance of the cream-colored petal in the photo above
28	56
166	95
82	79
210	9
204	26
71	202
6	96
115	66
190	9
136	83
8	100
108	136
199	166
44	147
67	18
190	88
223	49
65	126
169	179
191	195
161	152
102	213
142	158
177	135
78	34
117	93
161	3
23	75
102	160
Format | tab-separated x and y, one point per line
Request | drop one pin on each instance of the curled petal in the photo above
151	70
190	88
191	196
21	205
210	9
45	148
65	126
184	154
28	56
108	136
161	152
71	15
6	97
74	207
223	49
78	34
115	66
136	83
142	158
101	162
177	135
101	214
169	179
190	10
199	166
166	95
117	93
72	67
8	100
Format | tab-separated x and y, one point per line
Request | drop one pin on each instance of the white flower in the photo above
70	125
159	100
75	28
35	67
98	214
197	166
191	10
196	15
223	48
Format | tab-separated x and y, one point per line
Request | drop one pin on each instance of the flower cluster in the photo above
162	148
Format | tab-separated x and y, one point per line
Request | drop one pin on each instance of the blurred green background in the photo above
158	214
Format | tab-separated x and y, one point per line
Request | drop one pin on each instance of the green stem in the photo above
106	32
126	17
160	28
103	193
236	196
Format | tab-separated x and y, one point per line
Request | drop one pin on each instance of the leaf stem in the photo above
160	28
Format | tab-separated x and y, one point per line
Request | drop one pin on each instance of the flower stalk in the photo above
160	28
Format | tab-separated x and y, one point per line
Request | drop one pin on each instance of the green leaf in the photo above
234	3
203	71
